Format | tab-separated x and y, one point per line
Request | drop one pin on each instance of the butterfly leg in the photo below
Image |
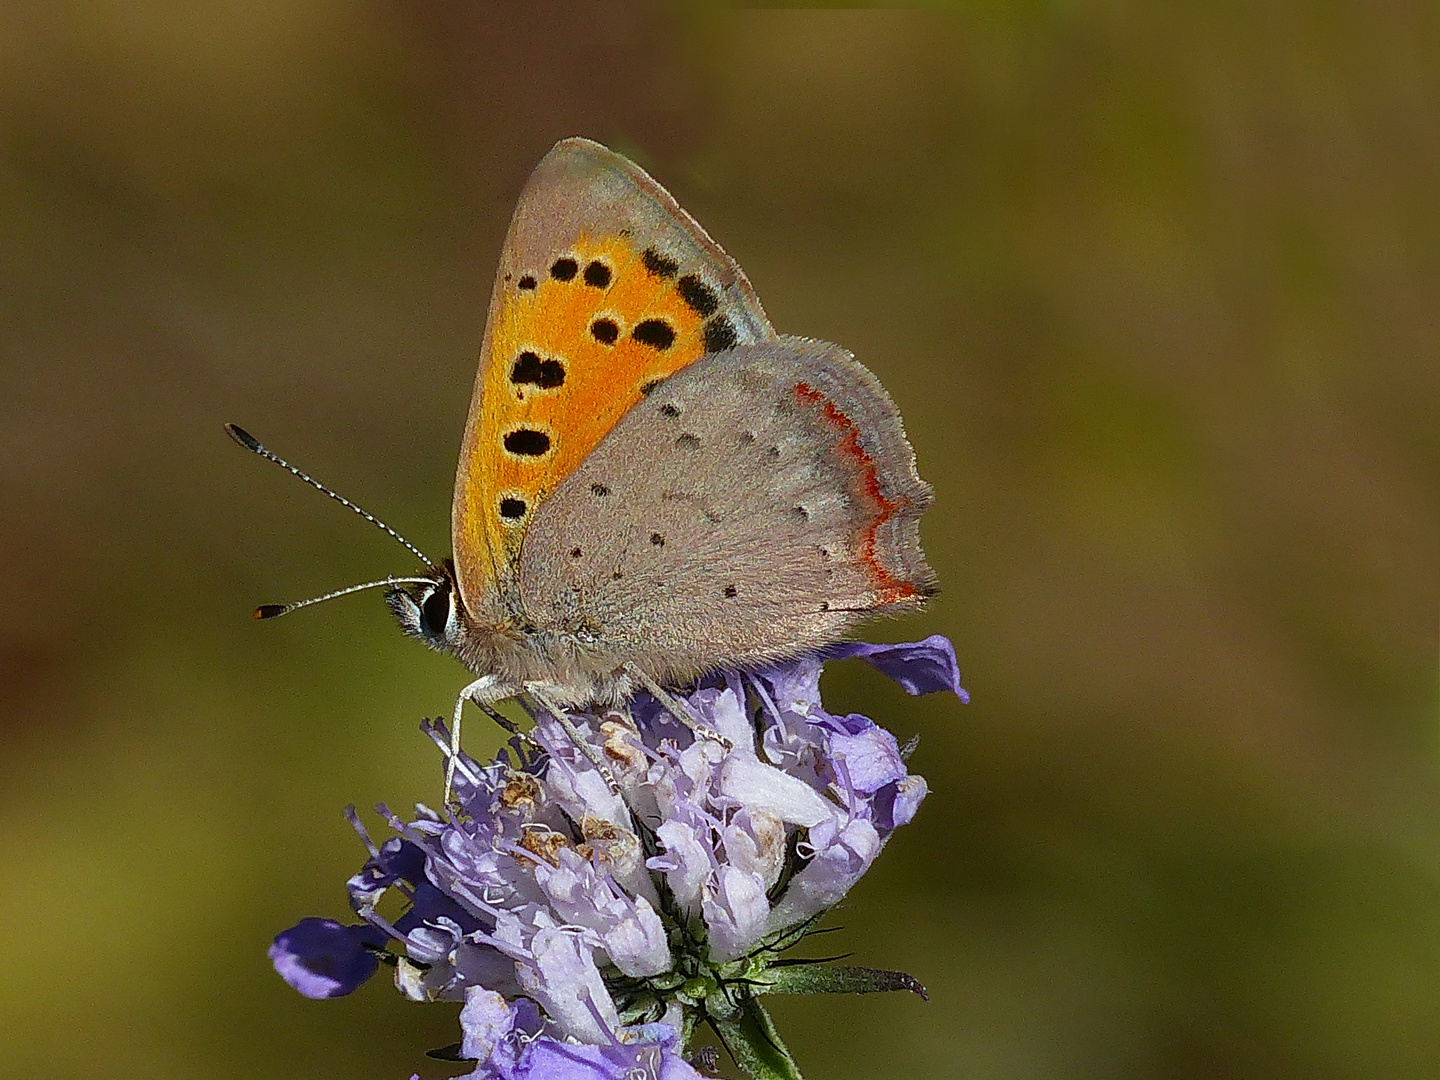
501	720
483	691
506	724
538	692
674	706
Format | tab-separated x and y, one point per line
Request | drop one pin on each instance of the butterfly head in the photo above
429	609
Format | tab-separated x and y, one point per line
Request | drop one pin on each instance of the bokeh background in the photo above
1157	288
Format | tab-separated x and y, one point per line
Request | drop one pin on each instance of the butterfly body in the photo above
653	484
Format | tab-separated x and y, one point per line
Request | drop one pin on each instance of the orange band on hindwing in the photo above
889	587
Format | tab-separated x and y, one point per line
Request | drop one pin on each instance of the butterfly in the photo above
653	484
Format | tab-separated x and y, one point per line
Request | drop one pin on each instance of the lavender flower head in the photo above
590	909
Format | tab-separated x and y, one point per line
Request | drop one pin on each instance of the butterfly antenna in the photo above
274	611
249	442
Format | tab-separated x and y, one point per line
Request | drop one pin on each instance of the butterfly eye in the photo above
435	613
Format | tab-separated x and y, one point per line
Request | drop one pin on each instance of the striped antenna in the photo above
249	442
274	611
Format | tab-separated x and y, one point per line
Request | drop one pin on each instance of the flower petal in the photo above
871	755
563	978
322	958
687	862
920	667
752	783
485	1022
828	876
897	803
735	912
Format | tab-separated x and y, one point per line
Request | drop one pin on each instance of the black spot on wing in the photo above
597	275
656	333
512	509
730	590
720	334
647	388
527	442
529	368
659	265
657	539
604	331
564	269
527	282
669	410
700	297
599	490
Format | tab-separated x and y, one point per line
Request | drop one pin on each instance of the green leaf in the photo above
755	1045
825	979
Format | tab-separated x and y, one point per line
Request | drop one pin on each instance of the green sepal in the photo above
688	1019
642	1010
753	1042
668	981
826	979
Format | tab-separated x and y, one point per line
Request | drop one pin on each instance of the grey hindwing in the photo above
757	504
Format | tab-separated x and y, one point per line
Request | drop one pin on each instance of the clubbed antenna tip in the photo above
244	438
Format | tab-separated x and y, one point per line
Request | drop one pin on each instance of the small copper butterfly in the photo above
653	483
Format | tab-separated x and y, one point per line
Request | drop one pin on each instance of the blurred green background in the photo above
1157	288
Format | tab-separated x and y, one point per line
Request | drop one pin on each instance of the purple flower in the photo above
585	914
